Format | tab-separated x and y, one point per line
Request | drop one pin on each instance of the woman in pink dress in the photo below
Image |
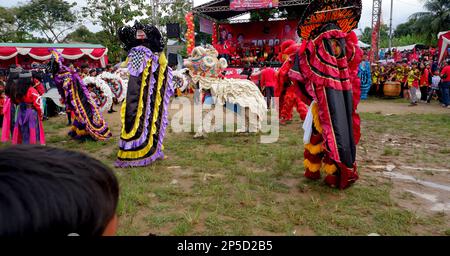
28	128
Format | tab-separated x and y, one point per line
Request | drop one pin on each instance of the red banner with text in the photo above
243	5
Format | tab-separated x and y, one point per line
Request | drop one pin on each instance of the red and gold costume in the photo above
326	67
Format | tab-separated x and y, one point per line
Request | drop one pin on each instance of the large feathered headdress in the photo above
344	14
139	34
55	63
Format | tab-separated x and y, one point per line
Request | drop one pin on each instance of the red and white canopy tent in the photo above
26	54
443	45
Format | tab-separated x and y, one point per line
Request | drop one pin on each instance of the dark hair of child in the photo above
19	89
47	191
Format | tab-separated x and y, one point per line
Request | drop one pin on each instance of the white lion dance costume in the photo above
205	69
100	92
145	109
181	80
117	85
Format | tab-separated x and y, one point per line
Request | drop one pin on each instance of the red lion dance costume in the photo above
288	90
325	66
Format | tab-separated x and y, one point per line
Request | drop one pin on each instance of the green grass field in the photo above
231	185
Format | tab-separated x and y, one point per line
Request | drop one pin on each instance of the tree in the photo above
171	11
407	28
12	29
367	34
175	12
112	15
83	34
434	20
52	18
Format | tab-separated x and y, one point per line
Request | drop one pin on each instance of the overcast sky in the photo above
402	10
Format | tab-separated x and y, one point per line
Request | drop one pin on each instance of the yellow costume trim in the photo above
144	151
312	167
96	114
315	111
124	64
132	133
79	132
314	149
330	169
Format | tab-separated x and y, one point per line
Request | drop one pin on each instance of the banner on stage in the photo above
206	26
243	5
253	33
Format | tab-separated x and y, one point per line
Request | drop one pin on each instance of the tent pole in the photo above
390	27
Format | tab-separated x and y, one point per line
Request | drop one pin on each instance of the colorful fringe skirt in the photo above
28	128
145	109
9	113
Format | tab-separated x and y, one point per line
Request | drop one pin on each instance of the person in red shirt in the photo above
445	86
268	82
28	128
424	82
39	86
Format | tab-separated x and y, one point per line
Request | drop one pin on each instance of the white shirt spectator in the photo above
435	82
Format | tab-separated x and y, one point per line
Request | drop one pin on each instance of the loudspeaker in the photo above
173	30
173	59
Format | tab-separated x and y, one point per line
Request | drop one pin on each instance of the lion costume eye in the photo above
223	63
208	61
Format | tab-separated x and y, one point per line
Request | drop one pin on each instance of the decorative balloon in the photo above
190	33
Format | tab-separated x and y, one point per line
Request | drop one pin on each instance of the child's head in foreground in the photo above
53	192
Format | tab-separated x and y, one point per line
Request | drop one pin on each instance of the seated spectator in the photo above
93	72
53	192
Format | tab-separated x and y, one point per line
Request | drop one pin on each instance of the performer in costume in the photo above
28	128
89	122
100	92
116	84
327	65
288	91
365	76
376	80
9	108
145	109
205	69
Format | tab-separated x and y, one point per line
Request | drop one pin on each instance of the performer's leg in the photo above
69	118
330	168
313	156
268	97
314	150
287	108
301	107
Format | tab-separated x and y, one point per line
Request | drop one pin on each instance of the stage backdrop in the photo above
258	33
242	5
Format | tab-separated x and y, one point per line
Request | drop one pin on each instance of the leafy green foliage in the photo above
51	18
434	20
83	34
421	28
112	15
